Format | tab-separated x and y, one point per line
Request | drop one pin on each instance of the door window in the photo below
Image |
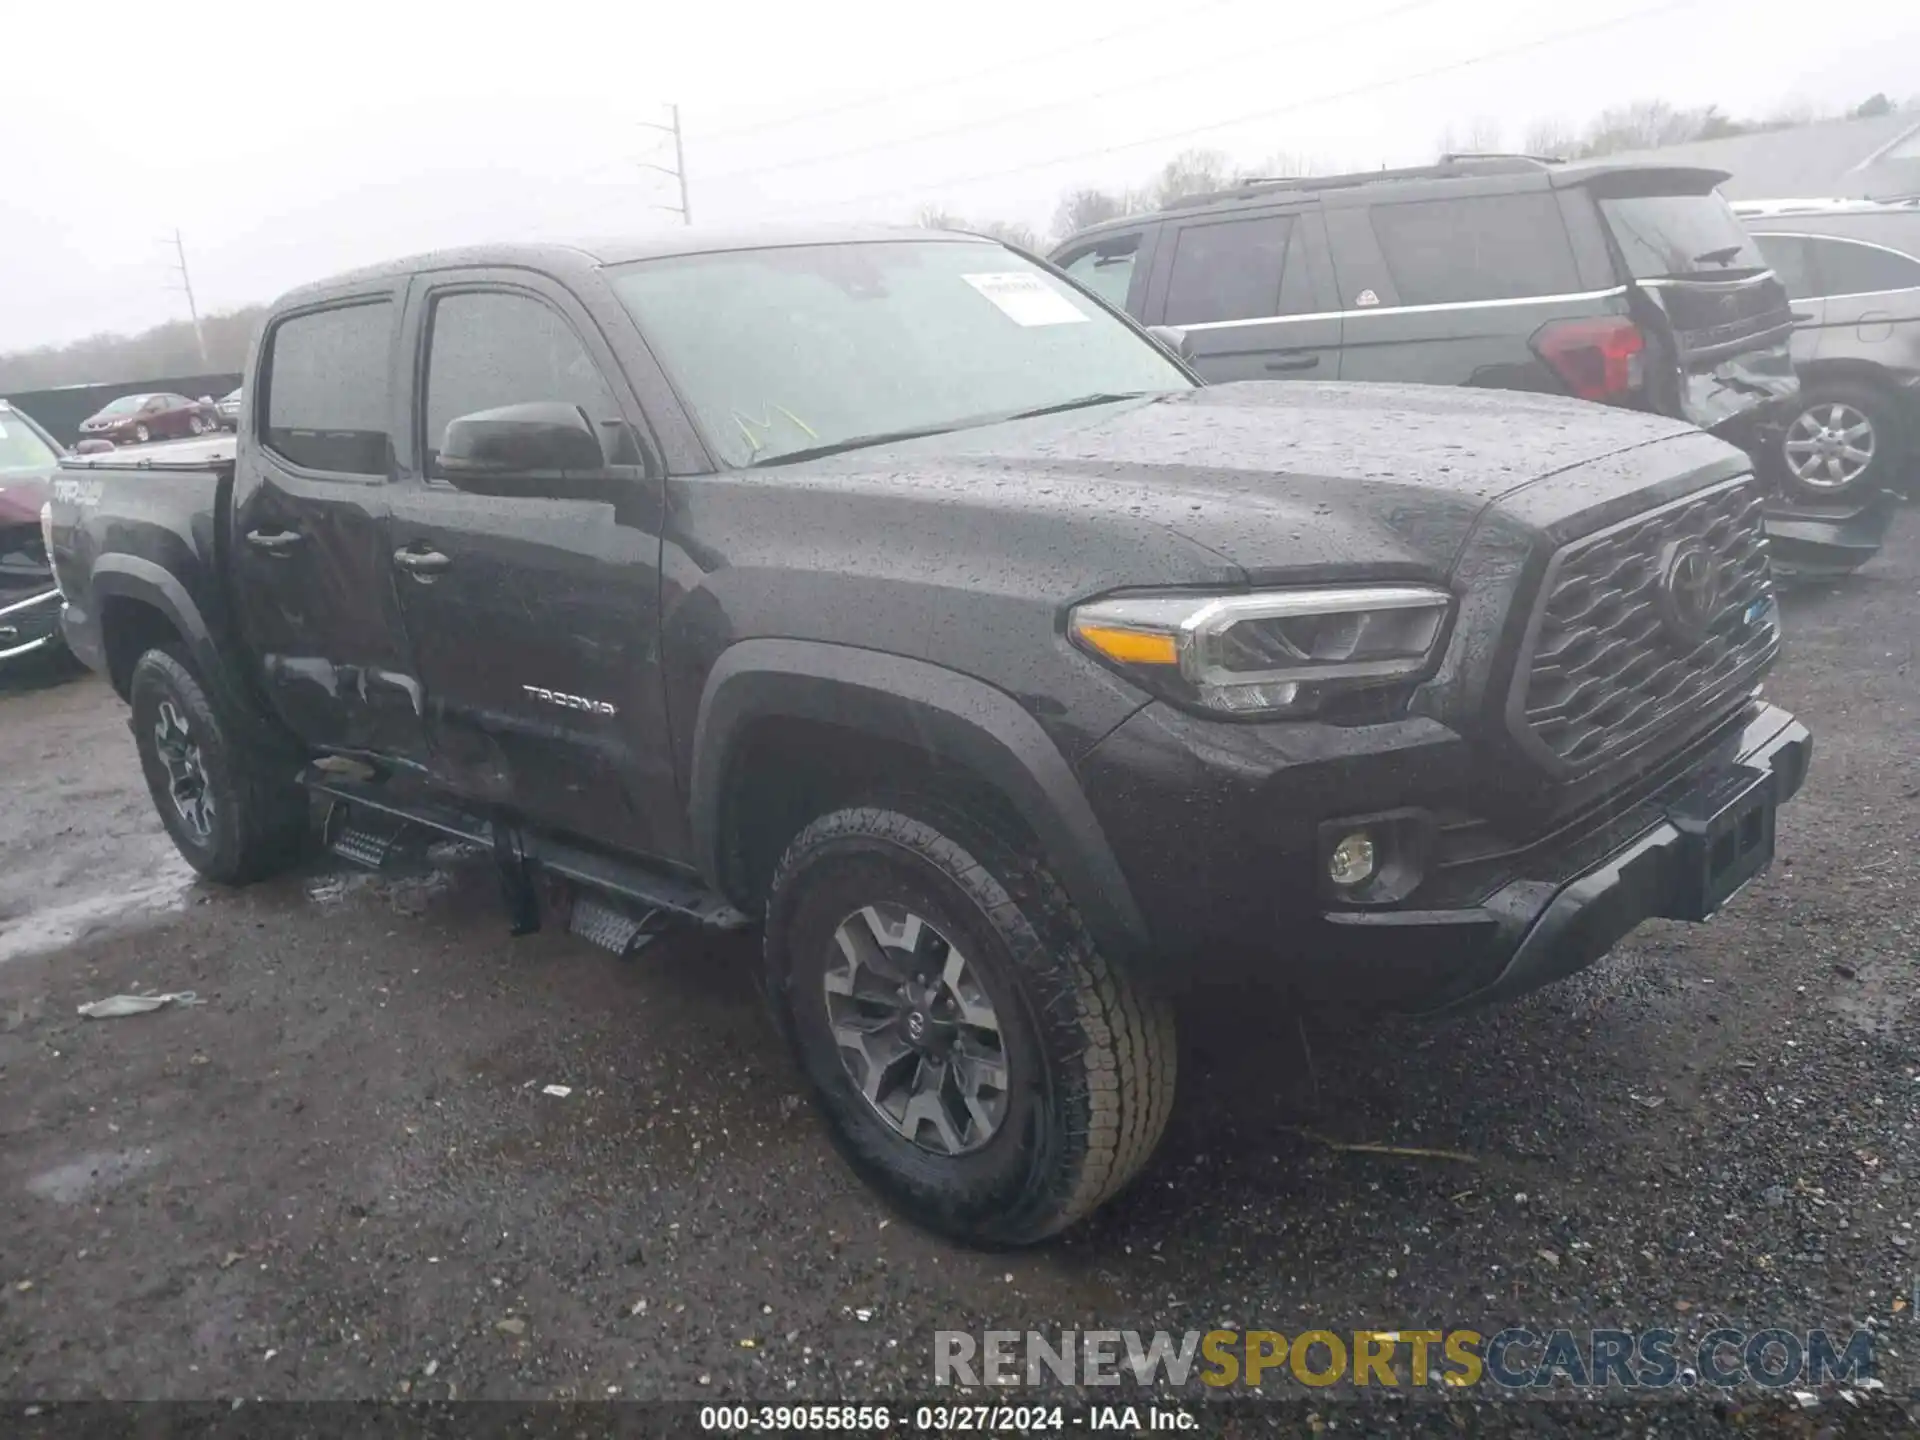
328	396
487	349
1107	268
1487	247
1848	267
1786	255
1228	270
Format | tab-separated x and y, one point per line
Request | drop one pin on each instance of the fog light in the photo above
1352	861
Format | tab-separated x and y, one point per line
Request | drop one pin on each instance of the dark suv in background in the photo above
1633	285
1853	270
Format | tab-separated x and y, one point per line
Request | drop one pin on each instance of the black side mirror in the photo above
546	447
1173	339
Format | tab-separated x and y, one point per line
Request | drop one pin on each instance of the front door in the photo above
533	617
1253	294
310	560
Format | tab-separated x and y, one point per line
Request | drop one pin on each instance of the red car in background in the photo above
136	419
29	599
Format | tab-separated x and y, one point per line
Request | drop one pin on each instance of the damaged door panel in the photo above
530	593
310	573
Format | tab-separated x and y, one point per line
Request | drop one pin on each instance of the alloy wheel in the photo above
187	783
917	1032
1830	445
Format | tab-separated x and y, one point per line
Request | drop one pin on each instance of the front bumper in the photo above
1221	837
29	624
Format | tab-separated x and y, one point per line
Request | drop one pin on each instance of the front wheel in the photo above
979	1063
141	434
234	814
196	425
1844	443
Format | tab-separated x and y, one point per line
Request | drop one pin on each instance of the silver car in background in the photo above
228	409
1852	268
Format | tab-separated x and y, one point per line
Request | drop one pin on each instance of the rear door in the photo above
1447	283
1792	265
1871	297
309	559
535	627
1702	290
1253	291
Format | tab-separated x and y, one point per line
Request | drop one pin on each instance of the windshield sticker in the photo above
1026	299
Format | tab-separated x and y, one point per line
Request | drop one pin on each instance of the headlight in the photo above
1271	652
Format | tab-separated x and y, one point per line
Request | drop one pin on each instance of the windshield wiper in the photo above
857	442
1719	257
887	437
1079	402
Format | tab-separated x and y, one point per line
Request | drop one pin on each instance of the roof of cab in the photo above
565	257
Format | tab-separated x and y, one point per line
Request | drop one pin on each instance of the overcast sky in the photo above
286	142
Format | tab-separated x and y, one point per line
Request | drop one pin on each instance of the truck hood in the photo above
1308	479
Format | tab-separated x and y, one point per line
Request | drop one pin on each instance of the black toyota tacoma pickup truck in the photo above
891	592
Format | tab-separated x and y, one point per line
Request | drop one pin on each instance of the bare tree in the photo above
1285	165
933	217
1643	125
1552	138
1481	134
1191	172
1873	107
1011	231
1079	209
165	350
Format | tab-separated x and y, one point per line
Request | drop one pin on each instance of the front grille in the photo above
1608	667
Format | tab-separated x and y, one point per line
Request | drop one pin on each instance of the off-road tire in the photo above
1090	1049
259	821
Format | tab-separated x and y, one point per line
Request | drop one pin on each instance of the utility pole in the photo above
186	284
679	170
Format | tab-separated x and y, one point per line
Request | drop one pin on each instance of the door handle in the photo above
1293	362
421	562
275	542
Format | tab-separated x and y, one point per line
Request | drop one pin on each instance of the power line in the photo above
1251	116
1290	43
863	102
679	170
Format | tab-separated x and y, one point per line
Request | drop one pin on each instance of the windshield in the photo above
1662	236
125	405
794	348
21	447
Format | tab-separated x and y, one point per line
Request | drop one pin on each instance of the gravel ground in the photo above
339	1176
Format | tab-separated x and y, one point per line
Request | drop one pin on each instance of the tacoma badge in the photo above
569	702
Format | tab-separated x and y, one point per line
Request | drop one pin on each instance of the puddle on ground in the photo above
76	1180
156	888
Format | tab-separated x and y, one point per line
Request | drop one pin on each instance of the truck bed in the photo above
204	452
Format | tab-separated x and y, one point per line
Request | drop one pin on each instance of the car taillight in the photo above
1598	359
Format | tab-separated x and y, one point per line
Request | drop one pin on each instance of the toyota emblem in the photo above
1689	592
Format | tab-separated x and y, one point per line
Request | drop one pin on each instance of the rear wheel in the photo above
979	1062
1844	444
236	815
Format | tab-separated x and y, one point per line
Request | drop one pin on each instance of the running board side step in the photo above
655	894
